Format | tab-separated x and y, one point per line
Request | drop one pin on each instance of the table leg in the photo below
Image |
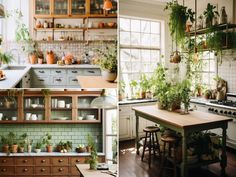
137	136
184	156
223	162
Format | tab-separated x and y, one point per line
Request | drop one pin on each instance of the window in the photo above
140	47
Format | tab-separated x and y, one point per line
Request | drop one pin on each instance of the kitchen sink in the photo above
15	68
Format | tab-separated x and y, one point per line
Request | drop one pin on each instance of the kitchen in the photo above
58	132
58	44
193	43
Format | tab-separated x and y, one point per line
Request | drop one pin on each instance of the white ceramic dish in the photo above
90	117
61	104
34	105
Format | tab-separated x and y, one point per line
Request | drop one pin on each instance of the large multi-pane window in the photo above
140	47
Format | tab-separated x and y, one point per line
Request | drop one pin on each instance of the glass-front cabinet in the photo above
34	108
42	7
78	7
8	108
60	7
96	7
114	7
61	108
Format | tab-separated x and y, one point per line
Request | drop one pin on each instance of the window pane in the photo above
124	24
111	148
212	66
135	25
145	26
145	55
125	54
155	56
135	55
155	40
155	27
125	38
111	122
145	40
125	66
135	38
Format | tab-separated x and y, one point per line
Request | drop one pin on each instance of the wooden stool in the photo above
171	141
151	141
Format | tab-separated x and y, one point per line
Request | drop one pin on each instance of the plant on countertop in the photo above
94	156
185	94
5	58
108	62
64	147
80	148
133	85
121	90
47	140
38	146
22	142
210	13
179	15
144	85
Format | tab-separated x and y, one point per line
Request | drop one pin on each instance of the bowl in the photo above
111	24
34	105
90	117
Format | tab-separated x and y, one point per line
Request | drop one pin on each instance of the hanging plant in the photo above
179	15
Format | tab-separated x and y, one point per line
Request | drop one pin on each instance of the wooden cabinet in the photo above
42	7
56	107
41	166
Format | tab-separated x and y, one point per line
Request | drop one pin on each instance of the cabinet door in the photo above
60	7
124	127
78	7
42	7
96	7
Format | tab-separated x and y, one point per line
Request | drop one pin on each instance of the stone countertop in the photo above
13	77
124	102
202	101
33	154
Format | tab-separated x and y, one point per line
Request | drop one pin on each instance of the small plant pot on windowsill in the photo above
5	148
33	59
49	148
142	94
14	148
37	150
109	76
40	60
21	149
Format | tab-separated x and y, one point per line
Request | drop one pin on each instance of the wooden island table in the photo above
185	124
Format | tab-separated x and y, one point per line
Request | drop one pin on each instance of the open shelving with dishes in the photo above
8	108
56	107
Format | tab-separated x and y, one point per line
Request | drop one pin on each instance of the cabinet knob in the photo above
91	71
41	71
25	170
58	71
74	71
58	80
60	160
25	161
77	160
4	170
60	169
43	161
75	80
41	80
43	169
4	161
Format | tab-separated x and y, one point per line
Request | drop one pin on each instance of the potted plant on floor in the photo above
47	140
108	62
209	14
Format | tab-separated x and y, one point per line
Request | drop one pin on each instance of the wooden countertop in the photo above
95	82
86	172
194	118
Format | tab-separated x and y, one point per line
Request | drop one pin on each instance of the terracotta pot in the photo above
14	148
109	76
33	59
50	58
142	94
5	148
21	149
176	57
40	60
49	148
188	28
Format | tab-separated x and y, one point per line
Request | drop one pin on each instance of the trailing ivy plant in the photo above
177	20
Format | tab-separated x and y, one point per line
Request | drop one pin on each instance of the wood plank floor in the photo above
130	165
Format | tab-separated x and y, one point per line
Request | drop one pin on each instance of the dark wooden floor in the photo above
130	165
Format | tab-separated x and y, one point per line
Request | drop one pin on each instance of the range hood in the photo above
2	13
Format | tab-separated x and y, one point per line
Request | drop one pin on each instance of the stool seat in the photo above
169	139
151	129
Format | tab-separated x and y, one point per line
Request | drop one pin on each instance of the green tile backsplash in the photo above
77	133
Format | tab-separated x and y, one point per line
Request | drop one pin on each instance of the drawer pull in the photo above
41	80
74	71
91	71
60	160
58	71
60	169
58	80
4	161
43	169
25	170
41	71
4	170
75	80
77	160
25	161
43	161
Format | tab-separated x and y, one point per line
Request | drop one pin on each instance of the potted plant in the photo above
185	93
50	57
38	146
64	147
22	142
144	85
90	143
178	18
40	57
108	62
209	14
93	151
133	85
13	142
80	148
207	94
121	90
5	58
5	144
47	140
29	143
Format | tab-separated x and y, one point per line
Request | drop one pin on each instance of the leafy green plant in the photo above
144	83
94	156
47	139
185	93
5	58
210	13
177	20
64	145
108	58
39	144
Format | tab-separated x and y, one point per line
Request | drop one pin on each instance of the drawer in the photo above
25	170
7	171
75	72
58	71
75	160
72	80
74	171
60	170
41	81
91	72
42	170
6	161
57	80
42	161
41	72
24	161
60	161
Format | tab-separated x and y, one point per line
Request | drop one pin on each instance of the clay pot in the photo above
50	58
14	148
33	59
188	28
5	148
81	150
101	25
142	94
49	148
109	76
40	60
176	57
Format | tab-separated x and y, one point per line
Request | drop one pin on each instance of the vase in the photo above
49	148
50	58
29	148
21	149
33	59
223	16
14	148
109	76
